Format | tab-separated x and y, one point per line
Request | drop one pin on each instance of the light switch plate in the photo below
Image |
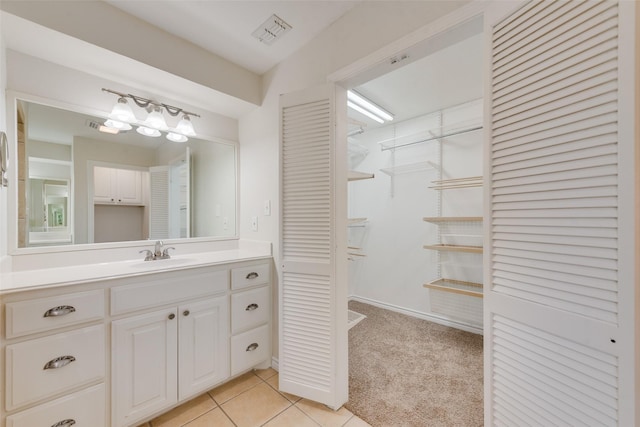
254	223
267	207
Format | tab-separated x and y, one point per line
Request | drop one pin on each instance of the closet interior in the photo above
415	191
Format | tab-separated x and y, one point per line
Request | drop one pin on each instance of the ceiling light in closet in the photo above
368	108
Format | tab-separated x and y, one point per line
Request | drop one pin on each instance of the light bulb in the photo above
117	125
185	126
156	120
176	137
143	130
122	112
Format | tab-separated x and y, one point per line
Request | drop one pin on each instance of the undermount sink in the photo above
161	263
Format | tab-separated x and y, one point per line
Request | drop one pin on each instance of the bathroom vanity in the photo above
116	344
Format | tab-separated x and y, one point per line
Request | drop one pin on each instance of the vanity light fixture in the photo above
368	108
122	117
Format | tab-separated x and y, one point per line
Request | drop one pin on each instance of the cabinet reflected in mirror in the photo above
86	186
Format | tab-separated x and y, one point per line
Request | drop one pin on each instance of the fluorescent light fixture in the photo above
370	107
108	129
367	113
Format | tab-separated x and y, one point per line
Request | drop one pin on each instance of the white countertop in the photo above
72	275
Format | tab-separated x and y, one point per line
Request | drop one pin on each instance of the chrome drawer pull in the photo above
251	307
64	423
252	347
59	362
252	275
61	310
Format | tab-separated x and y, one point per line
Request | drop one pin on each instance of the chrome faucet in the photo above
157	253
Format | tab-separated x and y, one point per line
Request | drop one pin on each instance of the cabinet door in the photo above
203	345
144	361
104	189
129	186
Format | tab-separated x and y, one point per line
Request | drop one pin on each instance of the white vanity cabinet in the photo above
168	355
124	350
117	186
54	351
172	353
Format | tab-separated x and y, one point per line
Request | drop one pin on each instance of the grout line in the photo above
227	415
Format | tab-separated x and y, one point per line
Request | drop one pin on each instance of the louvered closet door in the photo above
159	202
313	360
559	331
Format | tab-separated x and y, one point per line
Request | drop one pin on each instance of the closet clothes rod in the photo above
435	138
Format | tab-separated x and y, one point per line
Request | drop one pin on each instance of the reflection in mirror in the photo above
86	186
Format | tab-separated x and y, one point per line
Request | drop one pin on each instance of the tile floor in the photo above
253	400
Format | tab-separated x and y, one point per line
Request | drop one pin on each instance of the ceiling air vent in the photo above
271	30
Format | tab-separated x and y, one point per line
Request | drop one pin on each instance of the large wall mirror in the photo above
79	184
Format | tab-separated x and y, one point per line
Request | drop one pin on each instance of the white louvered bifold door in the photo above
159	202
313	361
559	331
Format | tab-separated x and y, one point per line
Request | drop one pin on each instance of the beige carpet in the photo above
405	371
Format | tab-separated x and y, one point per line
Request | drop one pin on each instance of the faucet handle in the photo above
148	256
165	252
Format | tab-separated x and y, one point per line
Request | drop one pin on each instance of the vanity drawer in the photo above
249	349
39	368
249	308
168	289
44	314
244	277
83	408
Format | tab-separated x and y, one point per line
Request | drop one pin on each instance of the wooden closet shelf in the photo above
455	248
356	176
356	221
438	219
456	287
450	184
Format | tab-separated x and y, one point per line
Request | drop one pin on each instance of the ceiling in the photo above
224	27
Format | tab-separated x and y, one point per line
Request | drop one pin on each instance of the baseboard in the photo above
424	316
274	363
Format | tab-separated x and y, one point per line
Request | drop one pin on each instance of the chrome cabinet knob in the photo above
172	316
